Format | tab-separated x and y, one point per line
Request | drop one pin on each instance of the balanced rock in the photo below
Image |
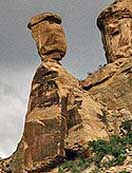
49	35
57	103
61	117
64	114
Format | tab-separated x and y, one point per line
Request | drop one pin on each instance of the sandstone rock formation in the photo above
115	24
57	103
64	114
112	83
59	111
49	36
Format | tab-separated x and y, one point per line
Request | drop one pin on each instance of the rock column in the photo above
42	145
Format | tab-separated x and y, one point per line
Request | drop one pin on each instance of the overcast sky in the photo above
19	58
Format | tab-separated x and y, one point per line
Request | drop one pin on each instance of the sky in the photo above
19	58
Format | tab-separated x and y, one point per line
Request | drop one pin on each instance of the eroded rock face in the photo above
42	144
115	24
61	117
64	114
112	83
59	111
45	127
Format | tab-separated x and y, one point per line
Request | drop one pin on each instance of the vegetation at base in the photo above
127	126
74	166
124	172
115	147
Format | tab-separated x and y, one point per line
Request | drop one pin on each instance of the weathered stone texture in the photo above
112	85
64	114
115	24
58	117
59	111
49	36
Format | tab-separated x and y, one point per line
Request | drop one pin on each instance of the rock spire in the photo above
64	114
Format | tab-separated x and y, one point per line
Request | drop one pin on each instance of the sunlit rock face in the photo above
42	144
45	127
61	116
64	114
115	24
112	83
57	103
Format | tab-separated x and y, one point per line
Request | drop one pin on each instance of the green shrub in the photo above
116	147
74	166
127	125
124	172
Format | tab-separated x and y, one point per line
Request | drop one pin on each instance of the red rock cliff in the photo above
64	113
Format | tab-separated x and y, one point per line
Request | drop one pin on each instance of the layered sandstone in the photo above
112	83
59	111
115	24
64	114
